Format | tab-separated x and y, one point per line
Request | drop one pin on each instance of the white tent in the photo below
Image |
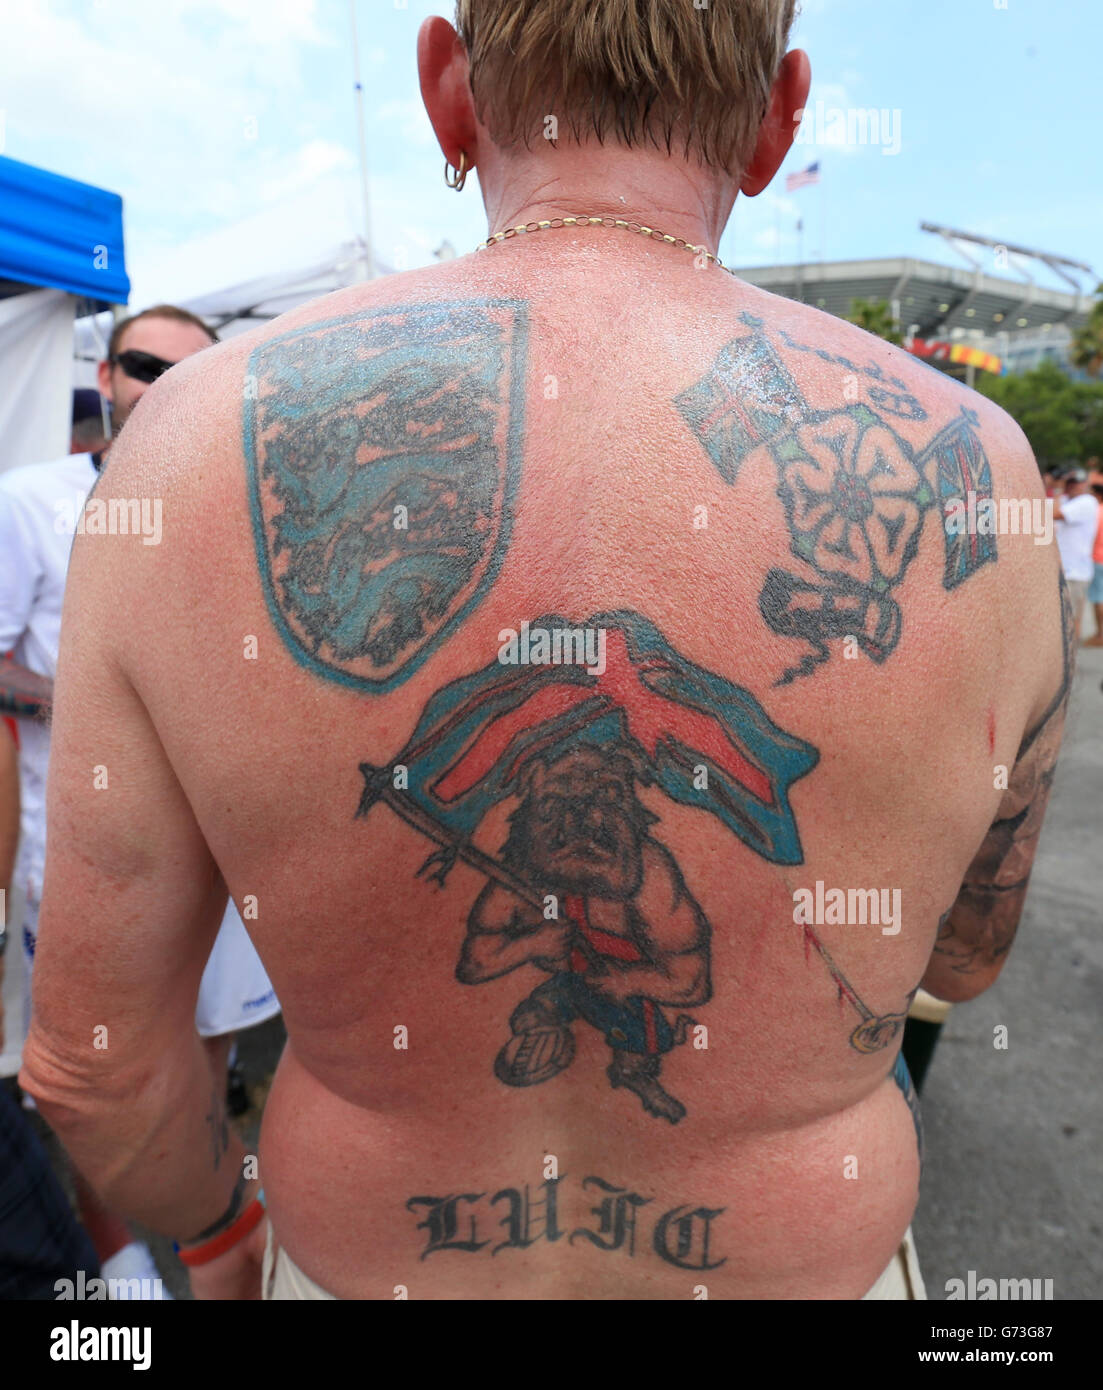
36	345
242	275
61	252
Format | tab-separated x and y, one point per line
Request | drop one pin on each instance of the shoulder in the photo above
843	389
390	295
836	363
198	411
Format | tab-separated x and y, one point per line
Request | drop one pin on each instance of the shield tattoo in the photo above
383	452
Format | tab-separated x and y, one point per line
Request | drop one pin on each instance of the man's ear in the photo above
103	380
781	122
446	90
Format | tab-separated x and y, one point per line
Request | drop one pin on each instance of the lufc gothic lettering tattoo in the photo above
855	493
680	1236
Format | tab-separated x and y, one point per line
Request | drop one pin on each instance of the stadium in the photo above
960	320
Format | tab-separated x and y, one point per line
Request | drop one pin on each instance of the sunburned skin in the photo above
555	1030
615	938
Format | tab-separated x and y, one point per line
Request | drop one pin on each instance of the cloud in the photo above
272	23
306	227
406	120
174	104
305	167
779	203
833	121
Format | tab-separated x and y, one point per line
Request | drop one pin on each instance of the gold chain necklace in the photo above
585	221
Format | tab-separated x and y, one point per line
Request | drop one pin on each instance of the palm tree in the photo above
875	316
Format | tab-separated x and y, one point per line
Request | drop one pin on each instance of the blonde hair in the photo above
637	71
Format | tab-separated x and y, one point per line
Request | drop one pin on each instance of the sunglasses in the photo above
142	366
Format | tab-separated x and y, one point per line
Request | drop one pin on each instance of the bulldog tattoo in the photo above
628	940
583	894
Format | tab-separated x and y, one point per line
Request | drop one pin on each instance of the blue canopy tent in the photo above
61	255
60	234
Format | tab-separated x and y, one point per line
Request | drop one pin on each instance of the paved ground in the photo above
1011	1186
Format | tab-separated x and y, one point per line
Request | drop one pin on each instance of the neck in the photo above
639	185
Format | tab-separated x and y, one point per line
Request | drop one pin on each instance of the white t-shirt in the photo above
39	508
1076	535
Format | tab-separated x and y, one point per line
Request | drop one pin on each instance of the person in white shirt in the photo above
1076	513
40	508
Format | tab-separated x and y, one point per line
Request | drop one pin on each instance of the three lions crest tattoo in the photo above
383	454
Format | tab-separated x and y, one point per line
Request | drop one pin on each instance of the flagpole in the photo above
800	259
379	787
369	264
823	217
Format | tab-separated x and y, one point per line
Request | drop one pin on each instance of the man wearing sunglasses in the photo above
38	505
143	348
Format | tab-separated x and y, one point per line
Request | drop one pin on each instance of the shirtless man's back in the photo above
562	656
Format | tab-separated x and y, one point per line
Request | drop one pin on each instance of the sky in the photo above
203	113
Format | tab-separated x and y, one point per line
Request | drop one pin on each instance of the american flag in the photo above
806	176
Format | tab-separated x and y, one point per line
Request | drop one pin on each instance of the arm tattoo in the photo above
218	1126
902	1077
228	1217
977	931
383	455
855	493
23	692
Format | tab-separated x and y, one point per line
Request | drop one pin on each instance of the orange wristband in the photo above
249	1219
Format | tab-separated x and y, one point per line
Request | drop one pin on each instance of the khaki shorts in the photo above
901	1278
282	1279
